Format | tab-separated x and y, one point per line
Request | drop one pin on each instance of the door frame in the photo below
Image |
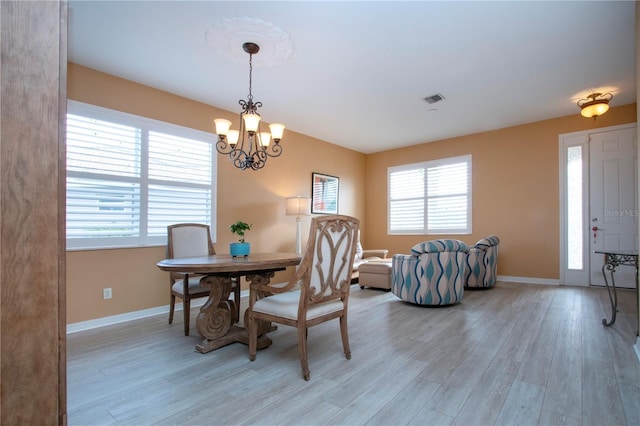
577	277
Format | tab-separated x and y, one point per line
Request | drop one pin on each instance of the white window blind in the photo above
433	197
130	177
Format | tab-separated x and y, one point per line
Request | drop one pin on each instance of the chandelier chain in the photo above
250	75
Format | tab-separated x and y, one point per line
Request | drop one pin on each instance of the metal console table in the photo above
613	259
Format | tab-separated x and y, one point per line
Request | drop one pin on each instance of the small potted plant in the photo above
241	248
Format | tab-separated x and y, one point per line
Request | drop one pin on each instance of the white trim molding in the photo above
528	280
132	316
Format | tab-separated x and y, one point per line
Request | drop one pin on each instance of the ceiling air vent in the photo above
434	98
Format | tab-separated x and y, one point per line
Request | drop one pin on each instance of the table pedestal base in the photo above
234	335
217	316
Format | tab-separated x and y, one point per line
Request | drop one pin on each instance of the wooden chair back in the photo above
325	270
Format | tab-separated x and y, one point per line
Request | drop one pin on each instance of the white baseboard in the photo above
528	280
131	316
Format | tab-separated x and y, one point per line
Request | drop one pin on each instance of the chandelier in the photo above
248	148
595	104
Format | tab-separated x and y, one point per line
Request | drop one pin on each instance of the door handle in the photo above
595	229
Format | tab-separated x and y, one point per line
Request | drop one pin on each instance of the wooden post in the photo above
33	39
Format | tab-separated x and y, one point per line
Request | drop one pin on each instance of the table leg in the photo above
613	298
263	326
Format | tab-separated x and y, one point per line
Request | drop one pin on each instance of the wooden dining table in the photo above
215	322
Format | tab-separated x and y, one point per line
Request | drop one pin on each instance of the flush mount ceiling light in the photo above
595	104
248	148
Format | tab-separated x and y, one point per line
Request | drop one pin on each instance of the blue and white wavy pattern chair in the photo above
433	274
482	263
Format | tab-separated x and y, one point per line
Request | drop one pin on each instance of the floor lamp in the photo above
298	207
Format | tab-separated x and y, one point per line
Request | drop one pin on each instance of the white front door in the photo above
613	209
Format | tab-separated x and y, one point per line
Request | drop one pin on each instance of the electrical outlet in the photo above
106	293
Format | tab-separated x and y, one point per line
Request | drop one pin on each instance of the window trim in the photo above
148	125
426	165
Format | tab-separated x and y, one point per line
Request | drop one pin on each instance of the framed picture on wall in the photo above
324	193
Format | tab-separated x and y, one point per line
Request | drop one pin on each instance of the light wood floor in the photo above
515	354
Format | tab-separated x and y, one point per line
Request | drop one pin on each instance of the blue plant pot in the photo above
239	249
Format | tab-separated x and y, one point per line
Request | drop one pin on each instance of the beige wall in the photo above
515	189
255	197
515	194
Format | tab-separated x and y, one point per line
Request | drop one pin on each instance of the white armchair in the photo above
364	256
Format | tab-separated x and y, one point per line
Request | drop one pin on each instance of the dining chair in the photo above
191	240
317	292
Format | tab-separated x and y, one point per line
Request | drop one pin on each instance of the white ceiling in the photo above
358	71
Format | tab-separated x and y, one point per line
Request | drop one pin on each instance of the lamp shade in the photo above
298	206
265	138
222	126
595	104
233	137
595	109
277	130
251	122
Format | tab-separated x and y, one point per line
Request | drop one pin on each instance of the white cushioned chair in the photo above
364	256
318	291
191	240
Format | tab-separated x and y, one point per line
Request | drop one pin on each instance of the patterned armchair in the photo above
482	263
433	274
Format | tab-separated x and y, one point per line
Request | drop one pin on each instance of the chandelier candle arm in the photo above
248	148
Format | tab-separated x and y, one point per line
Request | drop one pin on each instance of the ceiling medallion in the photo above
227	34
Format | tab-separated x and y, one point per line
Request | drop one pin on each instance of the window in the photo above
433	197
129	177
574	207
